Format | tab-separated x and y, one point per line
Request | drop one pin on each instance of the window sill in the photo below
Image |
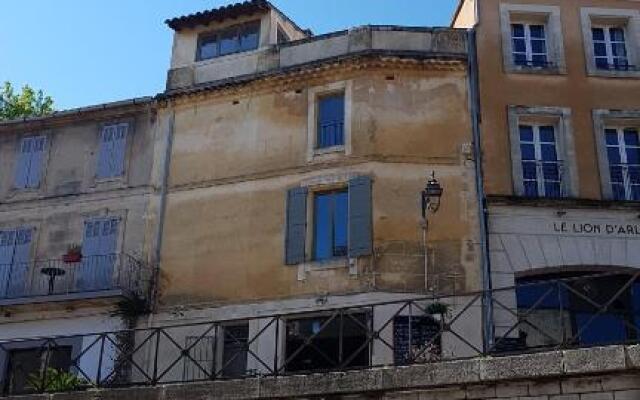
516	69
324	265
328	154
608	73
229	57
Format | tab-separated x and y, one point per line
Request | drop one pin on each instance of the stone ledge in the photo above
463	373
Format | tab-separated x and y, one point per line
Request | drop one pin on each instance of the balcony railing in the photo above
625	181
535	315
88	275
544	179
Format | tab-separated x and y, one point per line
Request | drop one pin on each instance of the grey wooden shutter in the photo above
119	147
360	225
37	158
23	163
105	151
295	237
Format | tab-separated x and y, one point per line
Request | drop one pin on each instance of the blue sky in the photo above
84	52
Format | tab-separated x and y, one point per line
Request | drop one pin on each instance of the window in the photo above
541	169
610	48
238	38
96	271
330	224
235	350
282	36
567	309
324	343
543	153
416	338
111	157
529	45
27	363
611	41
30	160
340	223
330	128
623	155
532	39
201	351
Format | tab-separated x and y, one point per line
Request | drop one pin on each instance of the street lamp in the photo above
431	196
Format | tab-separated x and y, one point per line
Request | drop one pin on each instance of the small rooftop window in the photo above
235	39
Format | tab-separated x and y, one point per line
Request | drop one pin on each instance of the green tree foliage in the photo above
55	380
28	103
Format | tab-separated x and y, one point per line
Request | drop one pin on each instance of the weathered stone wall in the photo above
607	373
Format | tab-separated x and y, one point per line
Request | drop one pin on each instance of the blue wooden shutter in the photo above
21	256
23	163
119	147
360	225
7	247
296	226
37	158
105	152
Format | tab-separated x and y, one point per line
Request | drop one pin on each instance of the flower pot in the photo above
71	258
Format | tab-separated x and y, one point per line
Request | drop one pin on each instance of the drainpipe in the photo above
474	107
165	163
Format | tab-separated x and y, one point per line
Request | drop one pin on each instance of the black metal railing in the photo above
535	315
86	274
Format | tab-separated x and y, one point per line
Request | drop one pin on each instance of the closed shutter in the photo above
119	147
360	225
296	226
21	256
105	152
24	161
7	247
37	158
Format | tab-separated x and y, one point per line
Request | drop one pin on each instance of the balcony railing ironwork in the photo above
582	311
89	274
625	181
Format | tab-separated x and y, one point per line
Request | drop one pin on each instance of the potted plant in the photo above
73	255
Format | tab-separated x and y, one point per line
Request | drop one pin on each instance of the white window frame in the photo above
537	146
528	14
608	42
315	154
527	39
558	117
629	21
611	119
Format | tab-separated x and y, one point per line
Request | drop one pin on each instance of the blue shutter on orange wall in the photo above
296	228
360	224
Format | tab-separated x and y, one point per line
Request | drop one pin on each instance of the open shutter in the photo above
22	165
20	268
7	247
296	226
37	158
360	226
119	147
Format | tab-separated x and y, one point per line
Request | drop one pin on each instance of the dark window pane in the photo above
537	31
547	134
634	174
551	172
527	152
617	34
520	58
340	224
611	136
519	45
621	63
600	49
635	192
322	229
250	37
549	152
208	48
631	137
539	46
539	60
602	63
598	33
531	189
529	170
616	174
618	192
548	295
619	49
234	353
633	155
517	30
229	42
526	133
552	189
614	155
